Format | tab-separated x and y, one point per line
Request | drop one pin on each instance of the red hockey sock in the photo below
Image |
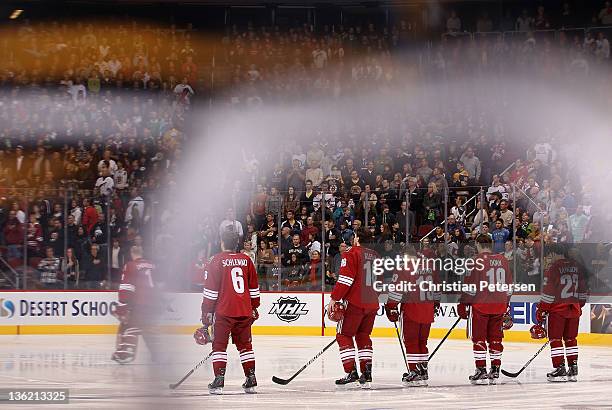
365	357
556	353
347	356
347	352
480	353
219	361
571	350
495	352
247	358
413	355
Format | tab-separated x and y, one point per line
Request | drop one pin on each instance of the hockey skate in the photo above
365	380
572	372
480	376
422	370
412	379
123	357
250	383
351	377
494	374
557	375
216	387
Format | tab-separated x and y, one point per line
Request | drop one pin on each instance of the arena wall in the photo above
281	313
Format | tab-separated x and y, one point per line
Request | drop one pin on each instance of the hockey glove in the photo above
335	311
392	313
202	336
541	313
207	319
507	321
436	308
463	310
255	315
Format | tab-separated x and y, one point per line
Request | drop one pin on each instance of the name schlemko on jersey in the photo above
428	286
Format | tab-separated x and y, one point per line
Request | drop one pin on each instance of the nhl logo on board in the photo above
288	309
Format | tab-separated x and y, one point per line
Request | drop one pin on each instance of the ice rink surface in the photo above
81	363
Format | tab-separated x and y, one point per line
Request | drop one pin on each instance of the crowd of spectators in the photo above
94	119
92	122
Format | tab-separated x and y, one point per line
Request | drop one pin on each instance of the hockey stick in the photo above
508	374
278	380
175	385
401	345
444	338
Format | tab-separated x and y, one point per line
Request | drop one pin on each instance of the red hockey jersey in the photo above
353	285
495	272
564	288
230	285
137	287
417	304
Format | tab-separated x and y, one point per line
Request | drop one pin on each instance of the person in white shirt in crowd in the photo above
105	184
230	222
120	177
496	186
106	156
135	208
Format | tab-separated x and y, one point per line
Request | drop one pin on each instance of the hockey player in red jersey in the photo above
416	314
137	306
486	309
564	293
353	305
229	305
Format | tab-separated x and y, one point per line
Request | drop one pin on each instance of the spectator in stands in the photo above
95	267
431	203
541	21
578	223
295	176
230	223
70	269
506	215
294	225
117	260
35	236
297	249
500	236
274	202
49	270
258	205
291	201
605	14
453	23
308	230
135	210
524	22
308	196
484	23
13	236
472	165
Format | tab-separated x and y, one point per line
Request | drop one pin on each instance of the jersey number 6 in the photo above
237	280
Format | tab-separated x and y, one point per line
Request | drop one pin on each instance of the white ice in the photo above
81	363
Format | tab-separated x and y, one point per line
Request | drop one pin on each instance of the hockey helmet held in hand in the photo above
537	331
202	336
